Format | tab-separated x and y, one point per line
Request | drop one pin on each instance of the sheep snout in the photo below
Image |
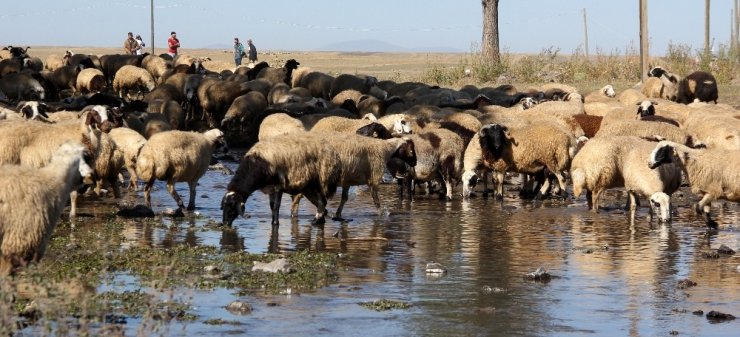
661	202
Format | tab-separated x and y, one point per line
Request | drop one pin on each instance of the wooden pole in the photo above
707	52
737	23
152	24
644	47
585	32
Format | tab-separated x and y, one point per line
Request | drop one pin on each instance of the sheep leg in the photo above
485	178
499	185
173	193
632	203
320	203
589	199
73	204
543	190
448	188
148	192
595	200
705	205
345	196
561	184
133	180
296	202
191	199
275	199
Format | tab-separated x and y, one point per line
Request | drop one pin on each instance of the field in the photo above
448	69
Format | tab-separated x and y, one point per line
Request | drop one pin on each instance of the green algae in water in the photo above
385	304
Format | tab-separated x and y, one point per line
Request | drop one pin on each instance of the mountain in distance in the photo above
380	46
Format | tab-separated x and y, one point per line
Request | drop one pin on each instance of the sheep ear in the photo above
20	105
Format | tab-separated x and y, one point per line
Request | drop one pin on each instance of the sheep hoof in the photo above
191	207
711	224
318	221
499	196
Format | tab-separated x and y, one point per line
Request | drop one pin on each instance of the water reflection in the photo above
614	278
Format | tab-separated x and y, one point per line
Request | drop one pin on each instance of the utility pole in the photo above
644	50
151	15
585	32
737	25
707	52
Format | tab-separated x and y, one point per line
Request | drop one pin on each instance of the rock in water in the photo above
685	283
719	316
137	211
725	250
538	275
278	265
435	268
239	308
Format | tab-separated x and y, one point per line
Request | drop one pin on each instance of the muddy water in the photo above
610	278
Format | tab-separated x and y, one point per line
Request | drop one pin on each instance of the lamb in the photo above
129	77
177	156
712	173
108	164
363	161
90	80
110	64
32	201
620	162
450	148
669	84
217	96
243	112
128	144
301	163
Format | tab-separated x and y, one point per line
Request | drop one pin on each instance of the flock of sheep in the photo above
308	132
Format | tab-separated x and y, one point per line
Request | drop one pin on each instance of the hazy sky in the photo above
525	25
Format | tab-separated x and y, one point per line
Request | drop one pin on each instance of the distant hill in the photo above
379	46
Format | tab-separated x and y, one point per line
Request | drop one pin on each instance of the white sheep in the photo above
630	97
714	130
640	128
32	143
348	125
279	124
605	163
128	143
90	80
712	173
32	201
177	156
363	161
129	77
294	163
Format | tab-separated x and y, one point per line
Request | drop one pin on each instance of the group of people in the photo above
135	46
239	51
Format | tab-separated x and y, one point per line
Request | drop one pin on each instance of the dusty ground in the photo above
384	66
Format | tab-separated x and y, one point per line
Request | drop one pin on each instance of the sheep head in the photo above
657	71
33	110
233	205
662	203
97	118
493	138
403	159
291	64
469	179
608	91
662	154
645	108
374	130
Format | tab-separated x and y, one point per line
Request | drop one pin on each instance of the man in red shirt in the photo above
173	43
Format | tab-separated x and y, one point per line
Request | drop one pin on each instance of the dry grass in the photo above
620	69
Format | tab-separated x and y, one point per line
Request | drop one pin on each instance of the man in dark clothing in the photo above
252	51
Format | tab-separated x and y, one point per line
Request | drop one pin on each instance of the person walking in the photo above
238	51
129	46
252	51
140	45
173	43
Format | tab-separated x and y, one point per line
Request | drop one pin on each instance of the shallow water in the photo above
610	278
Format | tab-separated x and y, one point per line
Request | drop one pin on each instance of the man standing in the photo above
129	46
238	51
252	51
173	43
